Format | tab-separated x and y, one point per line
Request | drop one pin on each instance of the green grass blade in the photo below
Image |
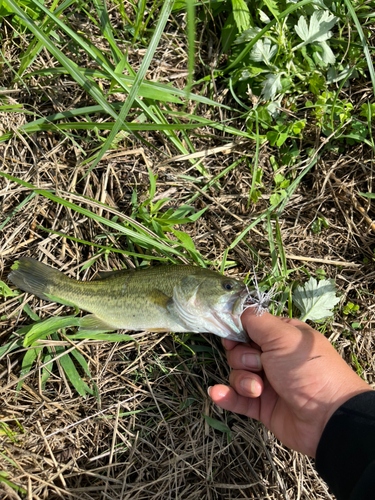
27	364
46	372
139	237
10	346
106	28
11	484
141	7
18	207
105	248
163	18
42	329
91	87
71	372
256	159
31	128
280	247
271	243
289	191
366	50
81	360
89	48
213	181
152	90
35	46
190	10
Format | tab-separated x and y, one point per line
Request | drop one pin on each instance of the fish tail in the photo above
34	277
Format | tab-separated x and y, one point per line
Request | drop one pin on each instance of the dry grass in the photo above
145	437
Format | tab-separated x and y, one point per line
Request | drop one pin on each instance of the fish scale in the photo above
176	298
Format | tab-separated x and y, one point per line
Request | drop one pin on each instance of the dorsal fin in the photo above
103	275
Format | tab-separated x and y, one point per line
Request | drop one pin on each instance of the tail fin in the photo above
34	277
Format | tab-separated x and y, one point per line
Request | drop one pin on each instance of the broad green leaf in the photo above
41	329
327	56
71	373
271	85
263	51
46	370
263	17
219	426
318	30
10	346
185	240
247	35
241	15
316	299
279	178
367	110
273	7
27	363
250	45
5	291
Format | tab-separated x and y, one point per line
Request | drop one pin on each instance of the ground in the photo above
142	433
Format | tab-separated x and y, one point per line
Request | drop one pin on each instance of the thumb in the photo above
271	332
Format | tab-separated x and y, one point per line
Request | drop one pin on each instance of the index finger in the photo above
229	344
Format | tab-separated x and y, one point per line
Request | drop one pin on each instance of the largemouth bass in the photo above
176	298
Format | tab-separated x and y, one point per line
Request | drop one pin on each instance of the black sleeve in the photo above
345	457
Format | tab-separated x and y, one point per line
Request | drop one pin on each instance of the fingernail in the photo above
209	390
251	361
250	386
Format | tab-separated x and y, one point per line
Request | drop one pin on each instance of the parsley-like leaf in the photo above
271	85
315	299
263	51
319	29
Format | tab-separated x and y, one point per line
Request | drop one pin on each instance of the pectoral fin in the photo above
92	323
158	298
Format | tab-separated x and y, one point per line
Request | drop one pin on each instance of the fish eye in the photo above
227	286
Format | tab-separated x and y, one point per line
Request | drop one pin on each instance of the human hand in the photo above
300	383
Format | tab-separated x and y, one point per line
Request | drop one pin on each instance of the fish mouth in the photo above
229	328
228	323
223	320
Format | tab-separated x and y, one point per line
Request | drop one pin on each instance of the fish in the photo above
176	298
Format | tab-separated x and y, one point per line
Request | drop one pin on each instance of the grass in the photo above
225	134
